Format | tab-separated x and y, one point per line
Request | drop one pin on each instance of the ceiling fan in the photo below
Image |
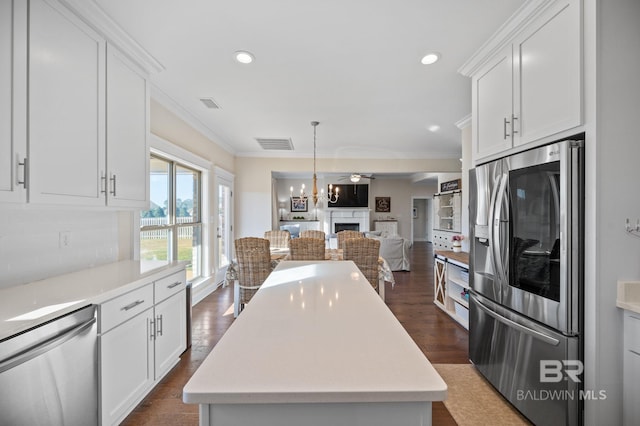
355	177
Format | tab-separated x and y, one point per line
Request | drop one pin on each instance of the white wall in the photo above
466	165
399	191
30	235
612	64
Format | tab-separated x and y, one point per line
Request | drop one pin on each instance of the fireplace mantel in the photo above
342	215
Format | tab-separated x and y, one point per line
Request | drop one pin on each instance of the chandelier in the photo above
333	194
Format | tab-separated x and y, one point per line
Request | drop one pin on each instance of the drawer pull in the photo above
177	283
132	305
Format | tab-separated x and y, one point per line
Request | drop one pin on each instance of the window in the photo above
172	228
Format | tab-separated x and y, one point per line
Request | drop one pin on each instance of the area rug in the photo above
472	400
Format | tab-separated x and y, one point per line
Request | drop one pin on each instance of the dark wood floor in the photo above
441	339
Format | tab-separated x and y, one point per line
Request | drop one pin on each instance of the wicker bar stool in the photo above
254	266
365	253
312	233
306	249
345	235
278	239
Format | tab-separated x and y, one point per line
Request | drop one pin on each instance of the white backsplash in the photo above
30	242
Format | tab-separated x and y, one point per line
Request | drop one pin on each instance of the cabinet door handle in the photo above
103	183
159	325
132	305
504	128
513	124
152	329
113	185
25	165
177	283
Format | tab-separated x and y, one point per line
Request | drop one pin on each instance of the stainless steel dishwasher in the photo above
49	374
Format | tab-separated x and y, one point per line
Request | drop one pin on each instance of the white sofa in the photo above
395	250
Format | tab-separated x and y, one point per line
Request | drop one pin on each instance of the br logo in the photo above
554	371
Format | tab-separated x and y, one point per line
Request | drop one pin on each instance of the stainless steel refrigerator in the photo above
526	277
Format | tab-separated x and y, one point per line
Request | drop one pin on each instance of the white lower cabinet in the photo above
141	336
631	369
126	364
171	327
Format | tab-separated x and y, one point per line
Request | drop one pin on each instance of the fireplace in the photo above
340	219
337	227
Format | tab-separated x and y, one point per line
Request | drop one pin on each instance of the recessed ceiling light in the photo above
244	57
430	58
434	128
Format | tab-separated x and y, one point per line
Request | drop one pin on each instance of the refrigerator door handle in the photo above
499	265
533	333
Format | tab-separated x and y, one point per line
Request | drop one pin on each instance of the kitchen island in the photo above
316	346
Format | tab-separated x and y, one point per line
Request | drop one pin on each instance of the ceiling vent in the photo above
275	144
209	103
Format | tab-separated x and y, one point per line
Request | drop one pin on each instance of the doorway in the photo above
421	223
224	222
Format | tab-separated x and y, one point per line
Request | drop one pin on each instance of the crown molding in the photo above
181	112
92	14
463	122
504	35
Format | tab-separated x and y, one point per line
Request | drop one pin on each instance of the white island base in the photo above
315	346
318	414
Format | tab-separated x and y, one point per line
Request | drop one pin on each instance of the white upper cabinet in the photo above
74	119
549	77
493	98
66	108
13	90
531	88
127	130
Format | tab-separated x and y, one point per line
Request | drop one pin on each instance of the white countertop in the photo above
315	333
628	296
28	305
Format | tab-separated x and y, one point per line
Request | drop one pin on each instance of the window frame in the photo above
167	151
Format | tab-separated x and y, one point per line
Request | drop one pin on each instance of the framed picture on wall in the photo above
383	204
299	204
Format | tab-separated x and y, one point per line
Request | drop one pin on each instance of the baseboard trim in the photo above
204	289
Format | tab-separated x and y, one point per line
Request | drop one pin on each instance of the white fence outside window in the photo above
157	234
